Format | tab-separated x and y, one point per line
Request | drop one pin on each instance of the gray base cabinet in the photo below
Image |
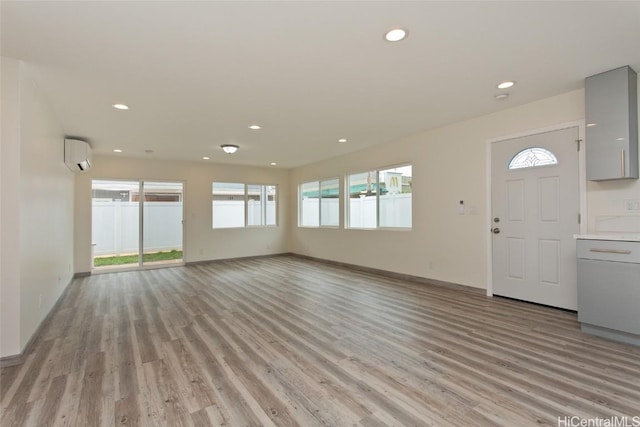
609	289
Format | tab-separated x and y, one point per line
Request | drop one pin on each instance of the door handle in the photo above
611	251
495	230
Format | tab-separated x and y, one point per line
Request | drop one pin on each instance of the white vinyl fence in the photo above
115	227
115	224
230	213
395	211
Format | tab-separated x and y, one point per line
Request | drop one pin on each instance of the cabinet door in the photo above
611	114
609	295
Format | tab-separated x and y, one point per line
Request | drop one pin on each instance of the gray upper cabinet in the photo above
612	125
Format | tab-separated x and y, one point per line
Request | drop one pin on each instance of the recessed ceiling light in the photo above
121	106
505	85
117	150
273	163
396	34
342	140
229	148
205	158
255	127
620	139
590	125
501	97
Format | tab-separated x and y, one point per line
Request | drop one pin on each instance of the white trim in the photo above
582	178
578	123
184	221
141	196
246	206
489	241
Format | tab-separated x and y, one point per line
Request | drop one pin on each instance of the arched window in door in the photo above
532	157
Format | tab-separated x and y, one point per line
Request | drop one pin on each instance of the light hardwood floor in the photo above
289	341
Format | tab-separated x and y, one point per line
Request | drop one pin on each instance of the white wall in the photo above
202	242
10	210
448	166
46	210
40	193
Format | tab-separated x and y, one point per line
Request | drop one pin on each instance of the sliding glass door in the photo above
130	218
162	222
115	228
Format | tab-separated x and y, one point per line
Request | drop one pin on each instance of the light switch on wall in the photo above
632	205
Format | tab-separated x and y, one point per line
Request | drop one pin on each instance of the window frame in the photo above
320	203
514	165
245	199
300	204
263	205
377	170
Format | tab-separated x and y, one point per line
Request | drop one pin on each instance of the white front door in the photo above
535	213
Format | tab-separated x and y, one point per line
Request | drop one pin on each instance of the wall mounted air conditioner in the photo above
77	155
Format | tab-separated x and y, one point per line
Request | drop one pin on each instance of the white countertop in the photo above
630	237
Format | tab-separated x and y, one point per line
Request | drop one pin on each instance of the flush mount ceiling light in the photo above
506	84
342	140
590	125
501	97
255	127
273	163
229	148
117	150
205	158
396	34
120	106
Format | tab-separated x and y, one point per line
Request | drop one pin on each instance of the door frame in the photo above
582	182
141	265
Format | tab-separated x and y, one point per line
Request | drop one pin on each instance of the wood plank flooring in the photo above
286	341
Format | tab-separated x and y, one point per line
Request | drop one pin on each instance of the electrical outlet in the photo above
632	205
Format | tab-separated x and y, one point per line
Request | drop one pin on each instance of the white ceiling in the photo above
196	74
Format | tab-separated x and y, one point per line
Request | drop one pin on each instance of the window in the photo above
261	205
363	200
532	157
320	203
241	205
309	204
381	199
330	203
